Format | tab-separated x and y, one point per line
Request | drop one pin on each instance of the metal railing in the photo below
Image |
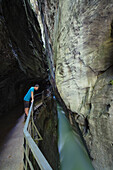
31	138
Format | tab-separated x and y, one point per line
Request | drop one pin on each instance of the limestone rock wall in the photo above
82	42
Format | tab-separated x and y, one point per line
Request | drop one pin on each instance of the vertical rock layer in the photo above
81	34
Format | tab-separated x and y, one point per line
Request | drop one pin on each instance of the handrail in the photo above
30	144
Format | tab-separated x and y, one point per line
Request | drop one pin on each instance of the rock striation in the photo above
81	35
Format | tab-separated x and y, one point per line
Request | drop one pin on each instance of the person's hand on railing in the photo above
32	100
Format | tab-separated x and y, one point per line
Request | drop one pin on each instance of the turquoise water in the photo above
73	155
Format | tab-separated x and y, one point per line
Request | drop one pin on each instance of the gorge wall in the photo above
81	35
22	55
11	87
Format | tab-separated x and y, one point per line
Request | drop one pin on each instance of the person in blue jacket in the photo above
29	96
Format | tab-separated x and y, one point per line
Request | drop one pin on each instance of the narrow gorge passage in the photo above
11	140
67	45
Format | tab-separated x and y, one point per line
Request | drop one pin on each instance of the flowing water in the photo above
73	155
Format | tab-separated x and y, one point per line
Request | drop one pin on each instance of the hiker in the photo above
29	96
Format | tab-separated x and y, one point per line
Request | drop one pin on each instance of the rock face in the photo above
82	45
26	36
81	36
11	87
22	57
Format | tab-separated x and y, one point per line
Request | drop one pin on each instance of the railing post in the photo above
26	163
24	146
32	127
